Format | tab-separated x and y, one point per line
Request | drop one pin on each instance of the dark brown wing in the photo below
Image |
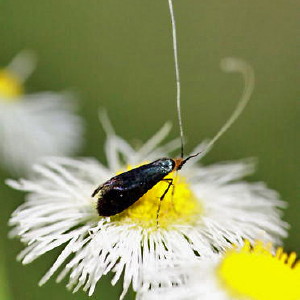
121	191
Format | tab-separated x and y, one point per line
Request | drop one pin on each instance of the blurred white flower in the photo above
210	209
33	125
251	273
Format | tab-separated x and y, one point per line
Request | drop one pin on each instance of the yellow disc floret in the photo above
257	274
10	86
179	206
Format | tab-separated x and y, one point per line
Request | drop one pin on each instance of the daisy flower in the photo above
249	272
33	125
208	209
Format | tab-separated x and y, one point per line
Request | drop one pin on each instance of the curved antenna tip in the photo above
232	64
229	64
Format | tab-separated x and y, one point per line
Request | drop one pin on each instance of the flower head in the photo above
249	272
207	209
33	125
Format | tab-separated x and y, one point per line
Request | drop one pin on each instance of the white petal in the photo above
36	126
59	210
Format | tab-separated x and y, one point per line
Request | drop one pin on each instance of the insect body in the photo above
121	191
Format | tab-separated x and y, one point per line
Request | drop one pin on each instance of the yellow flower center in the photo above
179	206
255	273
10	86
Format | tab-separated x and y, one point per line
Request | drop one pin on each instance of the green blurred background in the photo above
118	55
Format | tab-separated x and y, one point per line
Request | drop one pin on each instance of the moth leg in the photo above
173	191
161	198
172	199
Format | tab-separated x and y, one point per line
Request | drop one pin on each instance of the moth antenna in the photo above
177	74
230	64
